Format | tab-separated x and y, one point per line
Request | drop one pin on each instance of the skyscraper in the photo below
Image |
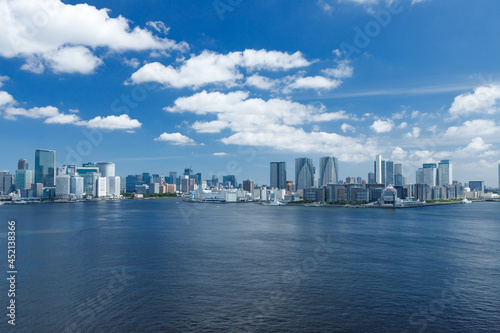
378	169
304	173
398	174
24	179
430	174
389	173
278	175
45	170
248	185
328	171
445	173
419	176
106	169
22	164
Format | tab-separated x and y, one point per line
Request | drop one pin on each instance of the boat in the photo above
275	202
465	201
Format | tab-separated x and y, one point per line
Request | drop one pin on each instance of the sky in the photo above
228	86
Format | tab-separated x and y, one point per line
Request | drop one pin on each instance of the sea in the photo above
167	265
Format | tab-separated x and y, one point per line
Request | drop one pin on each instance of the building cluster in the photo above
68	182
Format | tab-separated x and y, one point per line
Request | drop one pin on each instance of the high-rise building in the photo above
22	164
229	181
389	173
419	176
106	169
63	186
188	171
445	173
398	174
101	186
371	178
215	181
476	186
45	167
328	170
24	179
113	186
384	171
76	186
90	183
304	173
378	169
7	182
248	185
278	175
430	174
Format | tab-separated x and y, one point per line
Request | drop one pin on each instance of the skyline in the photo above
238	87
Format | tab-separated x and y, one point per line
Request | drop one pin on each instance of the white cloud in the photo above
220	154
403	125
314	82
215	68
382	126
476	145
38	31
3	79
482	100
175	139
473	128
273	123
133	62
415	133
71	60
261	82
347	128
52	115
342	71
114	122
6	98
399	154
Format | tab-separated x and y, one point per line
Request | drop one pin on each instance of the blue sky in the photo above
229	86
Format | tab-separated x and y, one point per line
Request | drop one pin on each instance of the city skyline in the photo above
153	92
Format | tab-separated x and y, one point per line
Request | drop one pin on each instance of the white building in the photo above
63	185
113	186
101	187
106	169
76	186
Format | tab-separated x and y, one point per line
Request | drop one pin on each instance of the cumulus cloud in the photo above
342	71
415	133
482	100
114	122
3	79
274	123
347	128
46	34
473	128
176	139
215	68
399	154
382	126
260	82
6	98
314	82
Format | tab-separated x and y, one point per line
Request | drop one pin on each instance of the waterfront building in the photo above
22	164
371	178
146	177
76	186
131	182
113	186
37	189
476	186
248	185
335	193
7	182
45	170
419	176
398	174
142	189
101	188
430	174
378	169
90	183
278	175
304	173
106	169
389	173
63	185
154	188
328	170
445	173
229	181
315	194
24	179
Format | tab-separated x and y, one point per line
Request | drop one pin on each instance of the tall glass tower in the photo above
328	171
45	167
278	175
304	173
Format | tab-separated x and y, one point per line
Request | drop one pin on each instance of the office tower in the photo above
82	171
398	174
37	189
229	181
90	183
113	186
45	167
7	182
350	180
76	186
106	169
371	178
389	173
248	185
445	176
63	186
304	173
146	178
278	175
22	164
88	165
101	189
476	186
328	171
173	177
156	179
24	179
215	181
131	182
188	171
384	171
430	174
197	179
378	169
419	176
